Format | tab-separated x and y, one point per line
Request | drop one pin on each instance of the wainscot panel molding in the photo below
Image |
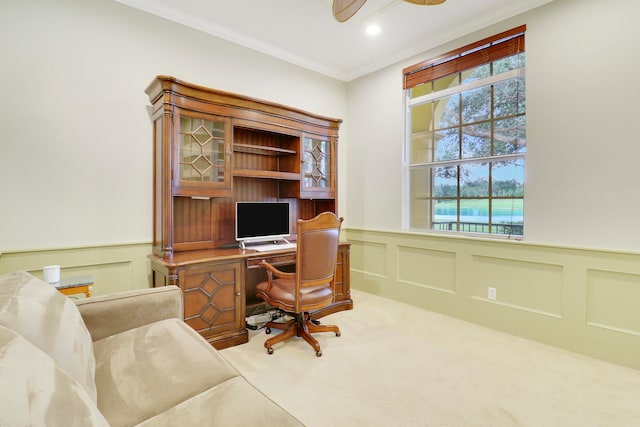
114	268
579	299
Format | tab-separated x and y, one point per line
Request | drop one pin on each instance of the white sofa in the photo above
120	360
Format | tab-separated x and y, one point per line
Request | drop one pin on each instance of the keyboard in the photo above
272	247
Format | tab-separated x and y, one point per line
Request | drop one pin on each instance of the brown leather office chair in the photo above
311	287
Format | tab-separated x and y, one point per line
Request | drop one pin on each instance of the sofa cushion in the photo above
234	402
145	371
34	391
51	322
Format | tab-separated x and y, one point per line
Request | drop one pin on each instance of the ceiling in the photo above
305	33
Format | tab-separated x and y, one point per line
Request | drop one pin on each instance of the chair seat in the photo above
282	294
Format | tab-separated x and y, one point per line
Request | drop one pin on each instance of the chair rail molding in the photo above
114	267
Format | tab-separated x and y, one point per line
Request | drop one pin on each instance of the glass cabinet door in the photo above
318	175
202	163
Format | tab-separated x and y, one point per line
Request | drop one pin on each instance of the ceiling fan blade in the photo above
426	2
345	9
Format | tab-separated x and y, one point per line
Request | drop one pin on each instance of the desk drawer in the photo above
272	259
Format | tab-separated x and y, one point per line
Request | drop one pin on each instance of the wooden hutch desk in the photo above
219	287
213	149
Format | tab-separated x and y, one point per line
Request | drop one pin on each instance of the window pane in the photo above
421	135
447	111
474	180
422	118
445	181
446	82
507	64
509	98
507	178
476	140
445	215
419	215
509	136
447	145
420	90
507	216
474	215
419	183
419	190
477	73
476	105
421	145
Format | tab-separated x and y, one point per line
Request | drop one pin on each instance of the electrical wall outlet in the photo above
491	294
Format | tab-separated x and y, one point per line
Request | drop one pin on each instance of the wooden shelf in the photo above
250	173
263	150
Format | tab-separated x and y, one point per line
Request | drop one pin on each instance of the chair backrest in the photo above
317	250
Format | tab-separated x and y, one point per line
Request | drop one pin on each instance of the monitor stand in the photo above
275	242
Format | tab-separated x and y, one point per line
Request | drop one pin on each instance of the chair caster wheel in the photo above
318	353
267	331
269	350
338	334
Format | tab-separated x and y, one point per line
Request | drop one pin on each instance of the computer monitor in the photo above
262	221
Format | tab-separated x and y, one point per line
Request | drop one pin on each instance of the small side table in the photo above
75	285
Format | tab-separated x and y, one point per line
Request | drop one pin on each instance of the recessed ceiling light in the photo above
373	29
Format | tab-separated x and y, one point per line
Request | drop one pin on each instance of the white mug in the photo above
51	273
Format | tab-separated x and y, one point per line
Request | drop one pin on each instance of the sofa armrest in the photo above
118	312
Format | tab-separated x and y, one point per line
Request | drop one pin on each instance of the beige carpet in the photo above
397	365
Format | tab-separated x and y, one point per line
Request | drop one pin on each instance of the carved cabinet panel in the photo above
318	170
214	301
202	155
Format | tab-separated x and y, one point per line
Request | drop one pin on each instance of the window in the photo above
465	140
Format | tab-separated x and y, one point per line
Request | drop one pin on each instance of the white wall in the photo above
75	135
582	109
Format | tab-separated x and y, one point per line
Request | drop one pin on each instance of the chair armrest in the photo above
273	270
118	312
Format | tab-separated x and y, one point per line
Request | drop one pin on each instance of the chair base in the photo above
301	326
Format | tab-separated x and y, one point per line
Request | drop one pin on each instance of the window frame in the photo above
486	51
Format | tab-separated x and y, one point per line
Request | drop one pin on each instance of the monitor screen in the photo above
261	221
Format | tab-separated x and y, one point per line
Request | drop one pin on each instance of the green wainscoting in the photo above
582	300
114	268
